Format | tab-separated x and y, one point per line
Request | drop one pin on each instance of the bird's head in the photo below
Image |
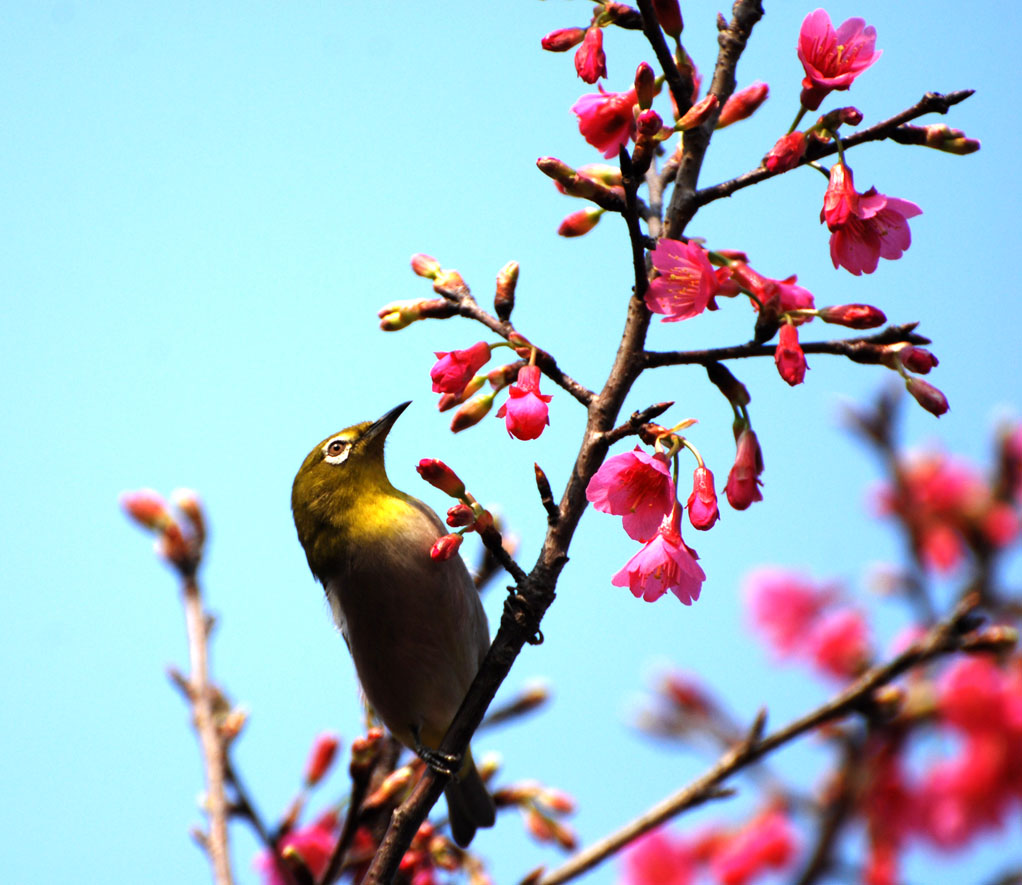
338	486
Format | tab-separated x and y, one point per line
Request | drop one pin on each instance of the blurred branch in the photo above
932	102
944	638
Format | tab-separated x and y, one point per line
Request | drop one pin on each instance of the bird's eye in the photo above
336	451
336	447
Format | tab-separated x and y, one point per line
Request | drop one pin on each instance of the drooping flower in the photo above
590	60
606	119
525	411
864	227
314	844
452	371
664	563
636	486
784	605
789	358
686	283
833	59
743	481
702	503
838	642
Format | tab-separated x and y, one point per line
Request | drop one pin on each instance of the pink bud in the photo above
787	153
471	412
324	749
790	360
453	370
460	515
525	411
445	547
425	266
669	16
648	123
562	39
743	481
450	400
590	60
928	396
440	476
699	113
147	508
449	282
702	503
579	223
917	359
645	85
854	316
743	104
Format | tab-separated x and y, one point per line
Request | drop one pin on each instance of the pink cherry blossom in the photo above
590	60
765	842
664	563
525	412
784	605
702	503
637	486
838	642
864	227
833	59
686	283
659	859
606	119
781	295
453	370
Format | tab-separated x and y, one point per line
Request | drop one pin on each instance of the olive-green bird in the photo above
414	626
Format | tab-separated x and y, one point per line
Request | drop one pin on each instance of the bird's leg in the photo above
446	764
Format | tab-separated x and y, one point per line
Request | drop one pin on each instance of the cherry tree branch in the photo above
863	350
948	636
931	103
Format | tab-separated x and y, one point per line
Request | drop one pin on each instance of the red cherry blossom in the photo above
664	563
637	486
686	283
833	59
606	119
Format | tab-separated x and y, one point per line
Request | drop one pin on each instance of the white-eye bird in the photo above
414	626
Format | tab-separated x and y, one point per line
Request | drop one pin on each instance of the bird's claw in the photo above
446	764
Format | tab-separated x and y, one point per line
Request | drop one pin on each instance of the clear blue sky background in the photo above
202	207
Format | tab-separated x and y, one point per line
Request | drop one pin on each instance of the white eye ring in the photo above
336	451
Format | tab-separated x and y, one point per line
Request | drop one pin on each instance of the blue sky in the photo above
202	208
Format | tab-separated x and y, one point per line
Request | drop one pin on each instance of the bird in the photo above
414	625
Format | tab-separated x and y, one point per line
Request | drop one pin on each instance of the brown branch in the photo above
202	695
932	102
865	349
732	40
680	85
944	638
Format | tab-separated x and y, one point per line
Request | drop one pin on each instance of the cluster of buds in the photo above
179	544
467	515
543	811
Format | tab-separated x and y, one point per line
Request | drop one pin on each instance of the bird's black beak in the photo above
381	427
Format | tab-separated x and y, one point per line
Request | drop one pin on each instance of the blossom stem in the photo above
798	119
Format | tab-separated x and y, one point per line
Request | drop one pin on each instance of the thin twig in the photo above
941	639
932	102
214	752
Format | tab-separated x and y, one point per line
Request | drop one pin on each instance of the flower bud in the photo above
645	85
736	392
365	751
698	113
453	370
590	60
445	547
789	358
563	39
394	784
603	173
460	515
472	412
830	121
504	300
952	141
743	104
787	153
623	15
450	400
854	316
324	750
501	377
668	14
743	481
147	508
648	124
425	266
702	503
450	283
917	359
579	223
928	396
440	476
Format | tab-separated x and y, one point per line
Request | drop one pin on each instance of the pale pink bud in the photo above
324	751
425	266
440	476
854	316
743	104
928	396
563	39
445	547
702	503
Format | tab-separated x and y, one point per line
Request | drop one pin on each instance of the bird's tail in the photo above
469	803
